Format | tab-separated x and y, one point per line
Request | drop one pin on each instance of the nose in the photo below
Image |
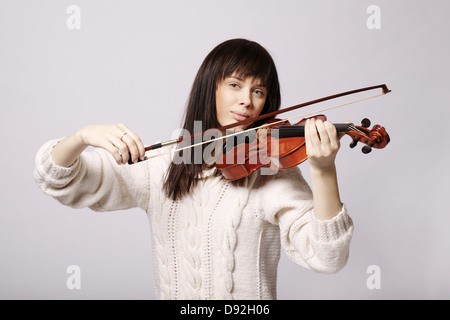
245	99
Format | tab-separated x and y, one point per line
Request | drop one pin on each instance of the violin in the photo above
277	143
282	146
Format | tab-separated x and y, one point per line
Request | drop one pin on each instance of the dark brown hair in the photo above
246	59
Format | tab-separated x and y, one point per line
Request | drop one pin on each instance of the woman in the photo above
213	239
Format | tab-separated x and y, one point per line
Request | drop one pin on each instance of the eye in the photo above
259	92
234	85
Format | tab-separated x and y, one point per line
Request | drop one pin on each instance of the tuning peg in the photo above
365	123
366	149
354	142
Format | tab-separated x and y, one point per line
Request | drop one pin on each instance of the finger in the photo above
331	130
115	152
332	134
312	131
132	147
123	149
137	142
322	132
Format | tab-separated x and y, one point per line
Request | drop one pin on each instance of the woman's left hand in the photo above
322	144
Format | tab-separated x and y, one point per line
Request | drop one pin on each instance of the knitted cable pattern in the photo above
160	254
229	240
161	212
192	243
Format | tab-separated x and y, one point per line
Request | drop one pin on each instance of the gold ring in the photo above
122	136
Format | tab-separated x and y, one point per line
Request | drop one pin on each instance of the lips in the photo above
239	116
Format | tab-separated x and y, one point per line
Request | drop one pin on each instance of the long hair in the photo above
246	59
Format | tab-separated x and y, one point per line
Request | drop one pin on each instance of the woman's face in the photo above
238	99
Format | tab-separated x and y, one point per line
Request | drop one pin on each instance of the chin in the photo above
232	121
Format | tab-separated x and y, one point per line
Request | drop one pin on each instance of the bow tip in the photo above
385	89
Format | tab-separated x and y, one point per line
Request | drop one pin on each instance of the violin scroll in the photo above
377	137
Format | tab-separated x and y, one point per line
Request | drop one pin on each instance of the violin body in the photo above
280	145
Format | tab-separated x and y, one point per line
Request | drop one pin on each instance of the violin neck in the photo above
286	131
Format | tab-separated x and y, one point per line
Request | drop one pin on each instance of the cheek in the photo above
260	107
223	102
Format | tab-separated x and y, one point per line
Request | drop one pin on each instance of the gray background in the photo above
134	62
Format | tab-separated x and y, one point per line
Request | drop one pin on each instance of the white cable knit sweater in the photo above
220	242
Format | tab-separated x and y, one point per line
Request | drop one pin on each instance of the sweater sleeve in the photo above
95	180
319	245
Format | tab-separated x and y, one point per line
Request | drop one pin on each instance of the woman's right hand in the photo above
117	139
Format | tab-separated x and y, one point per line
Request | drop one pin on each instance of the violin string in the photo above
354	128
266	125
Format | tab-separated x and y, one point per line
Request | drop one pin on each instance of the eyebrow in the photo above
258	85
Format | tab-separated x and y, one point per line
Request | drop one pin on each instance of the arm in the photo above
286	200
117	139
91	179
322	145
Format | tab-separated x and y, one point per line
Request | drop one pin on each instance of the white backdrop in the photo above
134	62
